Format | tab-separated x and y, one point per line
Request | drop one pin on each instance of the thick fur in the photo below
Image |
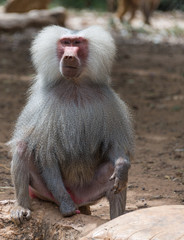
72	126
101	53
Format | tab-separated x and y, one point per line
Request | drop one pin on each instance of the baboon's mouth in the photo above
70	71
71	67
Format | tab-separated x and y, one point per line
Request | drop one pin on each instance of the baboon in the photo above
73	141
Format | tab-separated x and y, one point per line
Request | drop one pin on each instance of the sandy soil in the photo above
150	78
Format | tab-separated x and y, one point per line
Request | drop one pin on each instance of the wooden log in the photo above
36	18
46	223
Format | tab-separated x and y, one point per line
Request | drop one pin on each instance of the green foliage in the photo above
176	108
2	2
90	4
167	5
176	31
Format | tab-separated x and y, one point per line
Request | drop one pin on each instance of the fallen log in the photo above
11	22
46	223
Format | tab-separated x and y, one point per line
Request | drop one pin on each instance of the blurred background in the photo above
165	17
148	74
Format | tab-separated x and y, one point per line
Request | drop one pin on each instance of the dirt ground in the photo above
150	78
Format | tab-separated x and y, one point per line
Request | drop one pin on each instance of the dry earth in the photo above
148	75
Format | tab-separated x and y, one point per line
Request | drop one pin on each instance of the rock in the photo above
141	204
36	18
22	6
46	223
156	223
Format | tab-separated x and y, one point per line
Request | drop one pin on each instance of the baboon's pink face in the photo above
72	54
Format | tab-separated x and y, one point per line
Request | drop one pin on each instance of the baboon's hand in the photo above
120	175
19	214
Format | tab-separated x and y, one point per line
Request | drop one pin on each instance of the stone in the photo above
156	223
